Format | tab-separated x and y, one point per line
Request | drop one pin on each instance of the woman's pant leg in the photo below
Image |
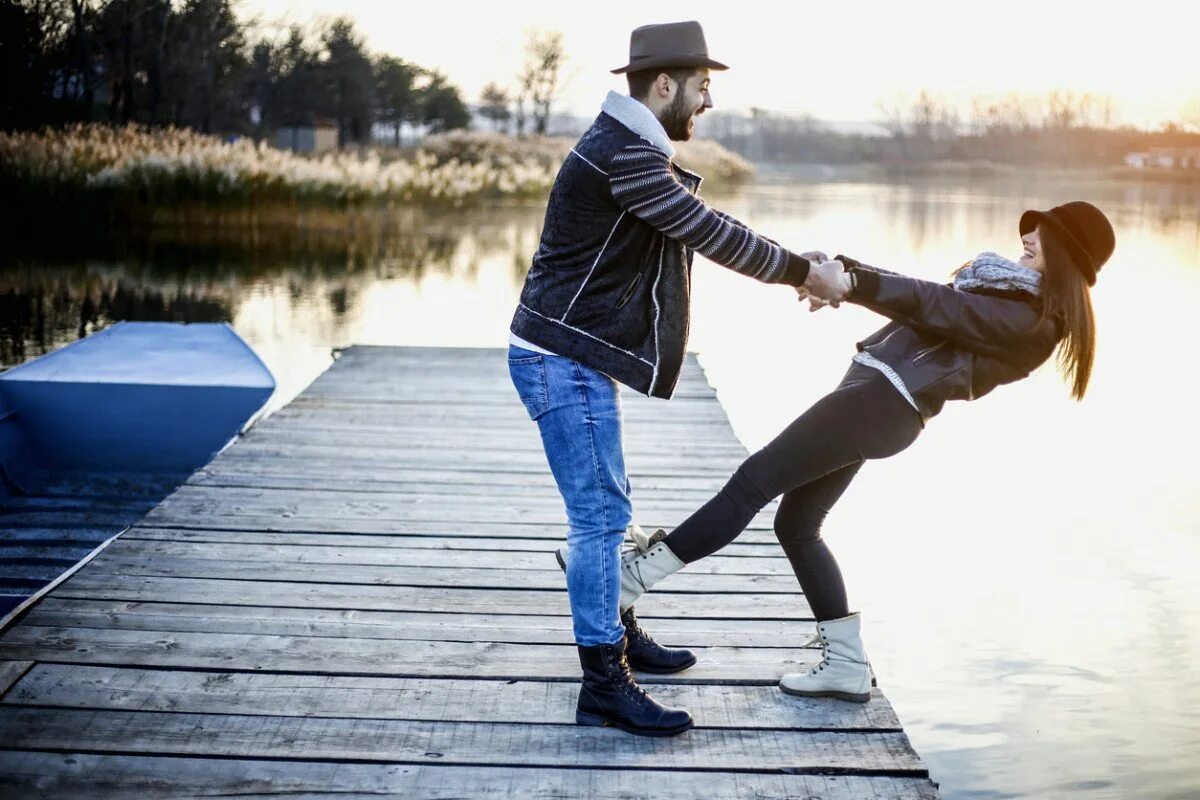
798	528
864	418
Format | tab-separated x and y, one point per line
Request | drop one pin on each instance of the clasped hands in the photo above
828	283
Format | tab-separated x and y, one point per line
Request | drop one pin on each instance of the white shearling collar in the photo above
633	114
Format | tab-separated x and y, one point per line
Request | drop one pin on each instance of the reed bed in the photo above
133	167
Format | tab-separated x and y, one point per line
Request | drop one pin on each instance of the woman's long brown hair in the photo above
1065	295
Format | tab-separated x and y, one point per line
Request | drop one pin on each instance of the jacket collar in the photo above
633	114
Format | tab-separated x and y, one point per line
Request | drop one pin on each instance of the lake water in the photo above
1027	571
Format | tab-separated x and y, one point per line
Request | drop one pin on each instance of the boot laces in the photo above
818	639
626	682
633	630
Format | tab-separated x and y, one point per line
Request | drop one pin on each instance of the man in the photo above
606	301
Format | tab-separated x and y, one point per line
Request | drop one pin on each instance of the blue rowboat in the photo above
135	397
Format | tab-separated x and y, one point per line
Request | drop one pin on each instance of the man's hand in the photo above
815	256
826	281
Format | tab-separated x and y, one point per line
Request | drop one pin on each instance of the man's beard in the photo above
676	118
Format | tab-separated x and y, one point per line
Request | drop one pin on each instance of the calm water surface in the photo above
1028	569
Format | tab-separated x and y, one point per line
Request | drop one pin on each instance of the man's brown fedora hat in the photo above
673	44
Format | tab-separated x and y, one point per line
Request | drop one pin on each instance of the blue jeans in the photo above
578	411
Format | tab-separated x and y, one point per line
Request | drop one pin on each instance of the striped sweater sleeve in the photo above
643	184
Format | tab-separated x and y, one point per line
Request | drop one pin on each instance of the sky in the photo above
835	61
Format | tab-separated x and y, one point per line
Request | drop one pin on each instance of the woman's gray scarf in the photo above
990	271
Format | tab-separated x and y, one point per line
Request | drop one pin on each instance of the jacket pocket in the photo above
528	375
927	352
629	291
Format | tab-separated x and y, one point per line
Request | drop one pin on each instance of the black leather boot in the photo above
610	696
646	655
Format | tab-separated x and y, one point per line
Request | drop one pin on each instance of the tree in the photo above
24	45
209	67
283	83
442	107
395	93
540	79
188	63
520	101
132	37
493	104
350	81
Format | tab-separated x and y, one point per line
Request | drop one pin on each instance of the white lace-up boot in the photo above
639	570
843	672
642	568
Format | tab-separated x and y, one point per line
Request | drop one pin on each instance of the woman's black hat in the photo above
1084	230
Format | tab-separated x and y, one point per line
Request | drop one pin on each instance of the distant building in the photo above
318	137
1178	158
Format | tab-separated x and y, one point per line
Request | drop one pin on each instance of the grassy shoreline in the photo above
131	172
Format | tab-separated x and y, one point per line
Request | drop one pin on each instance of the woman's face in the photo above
1032	257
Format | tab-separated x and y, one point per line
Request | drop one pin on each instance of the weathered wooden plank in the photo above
56	612
204	502
258	500
366	447
530	702
431	392
395	555
418	478
291	521
488	371
408	741
71	776
436	414
388	437
404	598
11	672
399	575
675	431
522	460
297	480
637	436
534	548
544	501
462	367
484	379
353	656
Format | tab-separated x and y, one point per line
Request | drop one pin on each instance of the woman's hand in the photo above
827	281
830	287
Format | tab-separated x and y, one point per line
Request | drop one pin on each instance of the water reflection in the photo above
1027	569
301	283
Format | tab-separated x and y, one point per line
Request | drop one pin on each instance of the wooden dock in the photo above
360	598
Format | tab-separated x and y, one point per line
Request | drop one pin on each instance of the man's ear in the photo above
662	85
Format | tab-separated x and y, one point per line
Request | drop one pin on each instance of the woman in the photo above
995	324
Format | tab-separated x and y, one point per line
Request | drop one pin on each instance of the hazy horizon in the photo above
837	64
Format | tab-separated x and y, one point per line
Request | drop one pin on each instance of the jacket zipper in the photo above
629	292
883	341
926	353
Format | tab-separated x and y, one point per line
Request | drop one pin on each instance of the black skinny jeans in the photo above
811	463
